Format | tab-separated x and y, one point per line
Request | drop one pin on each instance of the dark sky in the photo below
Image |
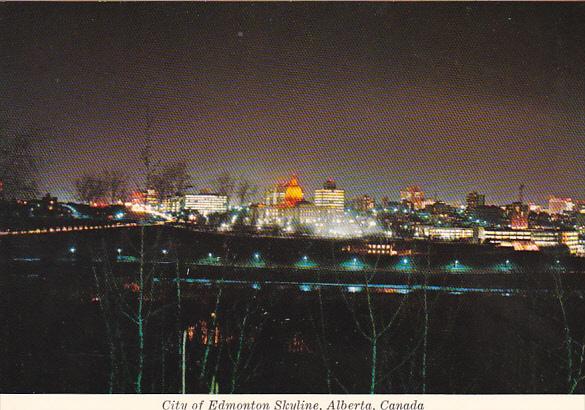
452	97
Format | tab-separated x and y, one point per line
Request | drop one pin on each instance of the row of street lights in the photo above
305	262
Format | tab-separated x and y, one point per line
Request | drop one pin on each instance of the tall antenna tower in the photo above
521	194
146	152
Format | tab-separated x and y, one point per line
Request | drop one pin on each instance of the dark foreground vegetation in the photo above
118	314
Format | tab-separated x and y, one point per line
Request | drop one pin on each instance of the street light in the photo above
72	249
164	251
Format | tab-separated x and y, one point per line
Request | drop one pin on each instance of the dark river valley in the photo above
165	310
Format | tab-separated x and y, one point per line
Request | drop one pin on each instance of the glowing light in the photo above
72	249
164	251
293	193
305	262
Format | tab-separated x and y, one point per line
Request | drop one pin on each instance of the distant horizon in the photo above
309	193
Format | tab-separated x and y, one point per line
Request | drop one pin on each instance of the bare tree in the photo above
225	184
212	334
244	191
138	302
376	322
170	179
89	188
574	347
115	183
249	323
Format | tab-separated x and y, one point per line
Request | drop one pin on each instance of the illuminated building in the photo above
571	240
293	193
519	221
293	210
559	205
137	198
429	203
445	233
284	205
579	206
539	238
49	202
518	215
150	197
364	203
534	208
275	196
206	203
330	196
414	196
475	200
580	221
581	248
371	249
439	208
173	204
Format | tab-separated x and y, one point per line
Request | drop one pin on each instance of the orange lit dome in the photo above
293	193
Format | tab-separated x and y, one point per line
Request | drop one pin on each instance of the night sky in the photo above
452	97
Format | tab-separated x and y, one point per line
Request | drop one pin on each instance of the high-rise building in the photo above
475	200
414	196
275	195
330	196
206	203
559	205
364	203
518	215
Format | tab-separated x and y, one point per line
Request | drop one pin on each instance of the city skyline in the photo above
454	98
283	198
